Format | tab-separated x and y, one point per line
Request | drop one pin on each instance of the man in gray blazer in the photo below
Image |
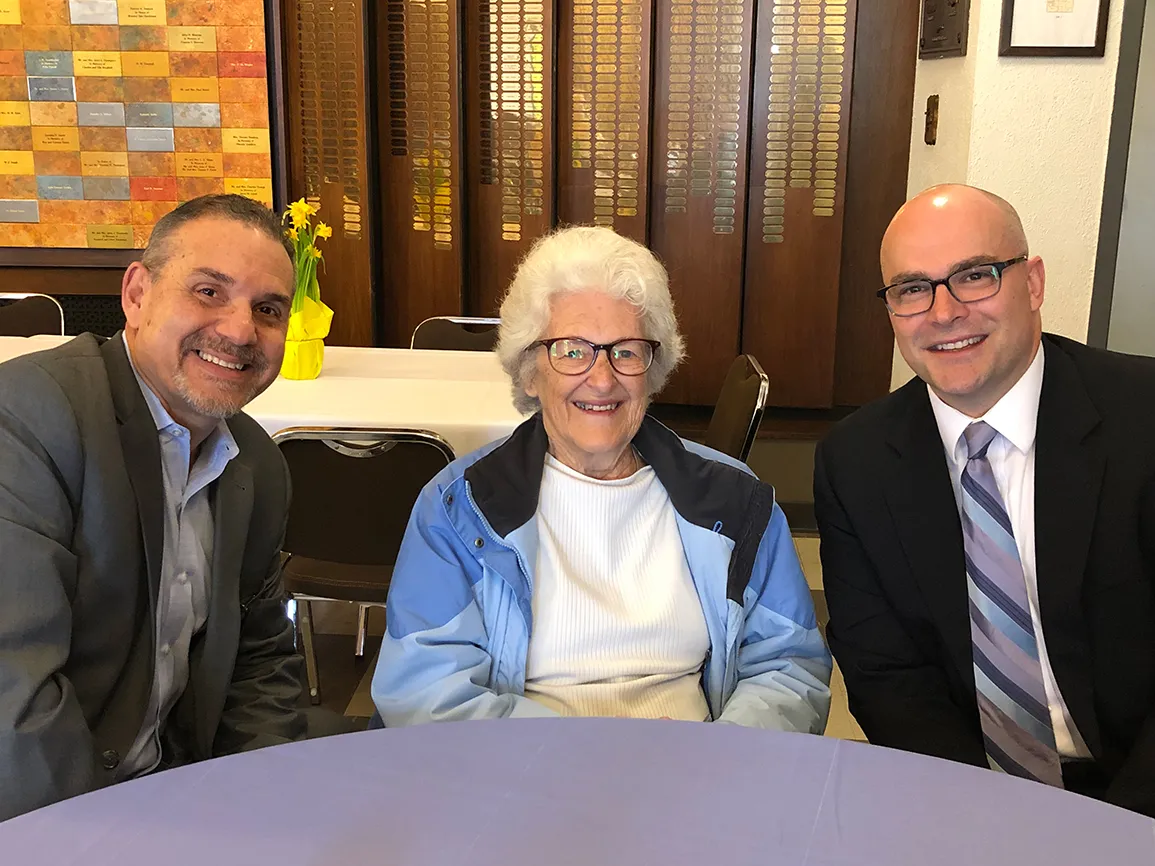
142	623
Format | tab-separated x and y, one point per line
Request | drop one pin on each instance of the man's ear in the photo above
1036	282
133	286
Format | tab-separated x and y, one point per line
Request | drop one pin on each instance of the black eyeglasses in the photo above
966	285
572	356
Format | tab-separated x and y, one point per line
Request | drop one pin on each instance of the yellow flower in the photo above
324	232
299	212
293	235
316	252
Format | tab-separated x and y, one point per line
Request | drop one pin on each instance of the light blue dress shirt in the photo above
185	567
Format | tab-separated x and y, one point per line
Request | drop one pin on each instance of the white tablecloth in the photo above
462	396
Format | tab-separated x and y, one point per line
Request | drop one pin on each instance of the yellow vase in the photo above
305	344
303	359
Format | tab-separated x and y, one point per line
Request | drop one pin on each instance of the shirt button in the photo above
110	759
165	649
182	578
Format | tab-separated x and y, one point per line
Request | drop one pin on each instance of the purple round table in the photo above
589	792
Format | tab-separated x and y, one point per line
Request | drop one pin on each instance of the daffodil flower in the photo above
324	232
316	252
293	234
299	213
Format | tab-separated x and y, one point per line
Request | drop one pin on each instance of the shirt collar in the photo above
1015	417
220	444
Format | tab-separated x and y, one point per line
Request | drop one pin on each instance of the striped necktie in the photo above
1016	719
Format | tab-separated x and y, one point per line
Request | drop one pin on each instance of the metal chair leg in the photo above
305	621
362	611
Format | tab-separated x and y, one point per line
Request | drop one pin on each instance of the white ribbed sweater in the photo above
618	628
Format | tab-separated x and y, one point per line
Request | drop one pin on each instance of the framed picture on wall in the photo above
114	114
1054	28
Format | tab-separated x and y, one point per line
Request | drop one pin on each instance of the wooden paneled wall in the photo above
758	146
329	138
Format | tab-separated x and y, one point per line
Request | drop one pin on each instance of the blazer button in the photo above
110	759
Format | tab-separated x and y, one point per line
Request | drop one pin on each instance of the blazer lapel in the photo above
141	447
1070	458
925	514
214	656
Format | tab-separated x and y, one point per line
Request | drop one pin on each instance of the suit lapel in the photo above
232	506
141	447
1070	458
922	503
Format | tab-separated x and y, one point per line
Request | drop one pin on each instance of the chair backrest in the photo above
354	488
28	315
457	333
738	413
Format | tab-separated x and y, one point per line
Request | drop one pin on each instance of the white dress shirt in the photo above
185	567
1012	458
618	628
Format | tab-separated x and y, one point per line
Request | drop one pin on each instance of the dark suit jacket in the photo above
81	533
892	567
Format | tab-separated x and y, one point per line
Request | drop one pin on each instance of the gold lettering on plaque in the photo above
513	120
429	109
704	108
606	119
830	108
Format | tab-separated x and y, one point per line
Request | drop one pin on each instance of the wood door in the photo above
329	146
419	118
803	67
509	59
698	223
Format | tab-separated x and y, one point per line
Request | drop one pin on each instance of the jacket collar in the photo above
142	457
506	483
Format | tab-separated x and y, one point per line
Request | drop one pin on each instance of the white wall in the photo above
1035	131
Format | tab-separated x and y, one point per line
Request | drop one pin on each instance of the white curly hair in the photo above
579	259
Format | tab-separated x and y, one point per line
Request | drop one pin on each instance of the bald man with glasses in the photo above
988	530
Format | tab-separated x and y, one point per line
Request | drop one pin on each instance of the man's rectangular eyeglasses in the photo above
967	285
572	356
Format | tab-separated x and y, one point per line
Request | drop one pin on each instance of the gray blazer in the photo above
81	533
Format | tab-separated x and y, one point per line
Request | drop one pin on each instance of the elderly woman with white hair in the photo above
593	563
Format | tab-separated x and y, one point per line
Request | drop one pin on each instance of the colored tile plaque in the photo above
97	63
149	114
195	90
48	62
245	140
144	64
200	165
19	212
104	164
60	188
106	188
14	114
150	139
254	188
141	12
196	114
110	237
56	138
92	11
51	89
17	162
192	39
100	113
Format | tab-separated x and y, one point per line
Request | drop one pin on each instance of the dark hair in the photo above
230	207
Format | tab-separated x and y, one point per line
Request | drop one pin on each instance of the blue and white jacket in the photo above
459	612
